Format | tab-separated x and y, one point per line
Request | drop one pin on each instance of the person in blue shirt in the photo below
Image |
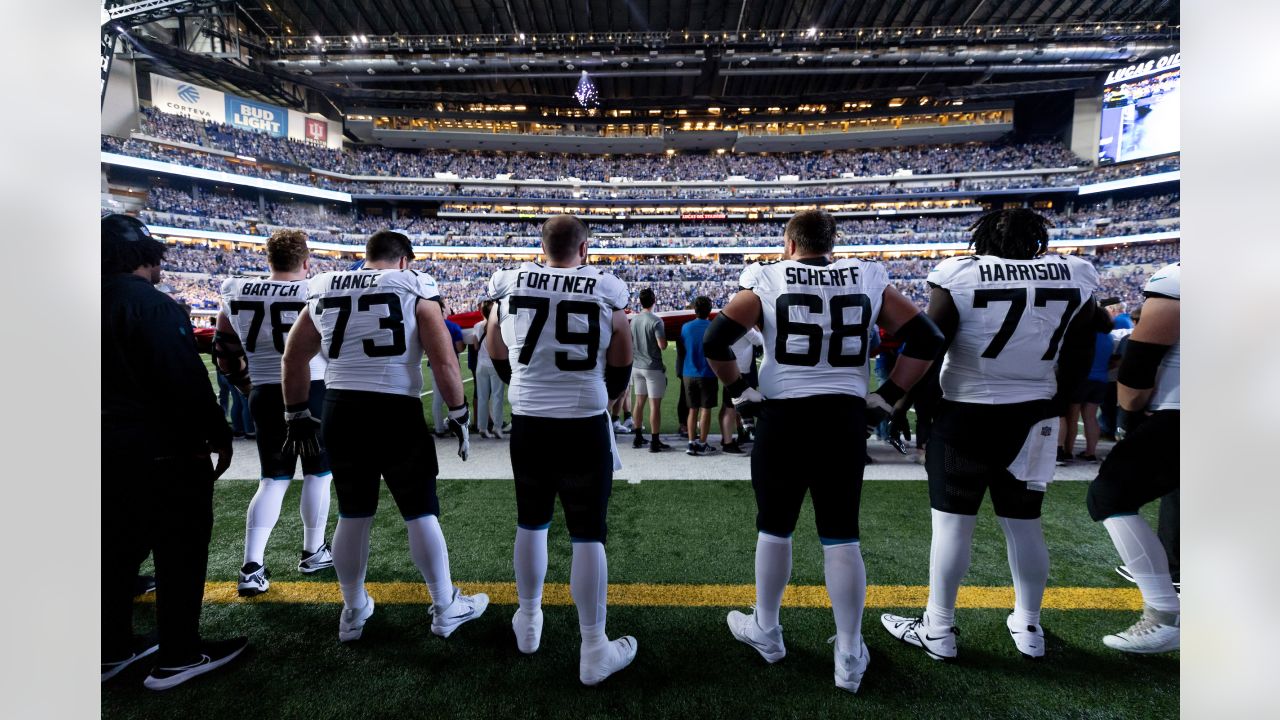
1123	324
700	385
1089	395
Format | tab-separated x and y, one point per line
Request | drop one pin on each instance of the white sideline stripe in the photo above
428	392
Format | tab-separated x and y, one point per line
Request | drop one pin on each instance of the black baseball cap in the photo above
118	228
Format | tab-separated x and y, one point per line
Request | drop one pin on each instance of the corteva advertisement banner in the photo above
198	102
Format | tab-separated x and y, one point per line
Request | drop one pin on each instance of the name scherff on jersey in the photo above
1046	271
556	283
837	277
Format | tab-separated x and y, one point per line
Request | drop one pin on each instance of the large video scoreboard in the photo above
1140	110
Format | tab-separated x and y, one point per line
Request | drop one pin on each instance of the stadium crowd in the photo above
292	161
230	213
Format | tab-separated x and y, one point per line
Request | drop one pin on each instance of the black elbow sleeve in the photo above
616	379
717	343
921	338
1139	365
503	367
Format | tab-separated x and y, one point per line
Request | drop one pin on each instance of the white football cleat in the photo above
460	610
1029	639
351	621
937	644
321	559
768	643
849	667
528	630
253	580
605	659
1155	632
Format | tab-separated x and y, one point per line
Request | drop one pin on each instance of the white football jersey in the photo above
817	317
1013	316
261	311
369	328
1167	395
557	324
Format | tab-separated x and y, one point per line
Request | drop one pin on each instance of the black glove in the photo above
899	428
302	433
747	401
1130	421
458	421
880	408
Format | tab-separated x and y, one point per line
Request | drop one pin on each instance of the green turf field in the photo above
688	664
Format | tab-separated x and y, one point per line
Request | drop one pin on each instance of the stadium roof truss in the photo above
405	54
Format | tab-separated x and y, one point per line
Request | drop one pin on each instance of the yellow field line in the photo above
662	595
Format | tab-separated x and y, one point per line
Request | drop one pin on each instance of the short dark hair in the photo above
1013	234
127	245
387	245
702	306
286	250
561	236
646	298
812	231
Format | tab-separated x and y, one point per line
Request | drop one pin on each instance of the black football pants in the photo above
163	508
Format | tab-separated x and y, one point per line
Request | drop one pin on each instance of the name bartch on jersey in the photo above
556	283
262	289
837	277
1009	271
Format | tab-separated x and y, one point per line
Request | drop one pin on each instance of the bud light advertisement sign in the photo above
255	117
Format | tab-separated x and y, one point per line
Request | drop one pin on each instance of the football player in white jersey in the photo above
815	314
373	325
1144	465
565	350
1019	324
253	323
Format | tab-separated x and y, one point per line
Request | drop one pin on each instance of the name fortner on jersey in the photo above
557	324
262	311
1167	394
1013	317
369	328
840	300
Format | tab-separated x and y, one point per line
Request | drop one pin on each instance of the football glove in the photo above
899	428
879	409
747	400
302	433
458	422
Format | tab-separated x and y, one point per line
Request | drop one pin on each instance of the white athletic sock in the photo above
315	510
531	567
773	572
260	520
351	557
431	556
847	587
949	551
1029	564
589	586
1142	553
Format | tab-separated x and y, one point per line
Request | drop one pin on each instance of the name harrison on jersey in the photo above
1009	271
556	283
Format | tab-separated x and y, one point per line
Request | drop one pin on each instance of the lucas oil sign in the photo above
252	116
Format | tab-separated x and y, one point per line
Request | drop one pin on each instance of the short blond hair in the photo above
286	250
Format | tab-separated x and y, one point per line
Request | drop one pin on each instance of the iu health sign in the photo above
208	105
255	117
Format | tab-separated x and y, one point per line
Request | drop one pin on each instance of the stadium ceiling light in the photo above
903	61
1065	60
811	32
364	39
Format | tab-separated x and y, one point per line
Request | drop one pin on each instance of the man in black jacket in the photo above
160	424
